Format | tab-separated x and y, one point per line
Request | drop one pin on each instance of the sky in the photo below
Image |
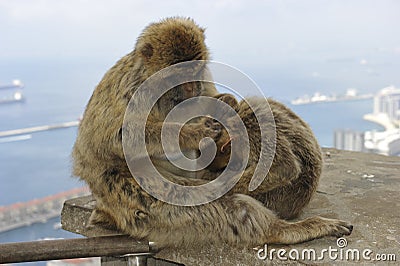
307	39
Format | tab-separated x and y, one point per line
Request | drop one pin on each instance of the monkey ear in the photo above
147	51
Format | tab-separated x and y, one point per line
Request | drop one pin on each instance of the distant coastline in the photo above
350	95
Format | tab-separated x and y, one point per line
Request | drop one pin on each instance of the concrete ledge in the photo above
358	187
75	216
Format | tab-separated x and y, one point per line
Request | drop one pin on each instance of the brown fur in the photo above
99	159
296	168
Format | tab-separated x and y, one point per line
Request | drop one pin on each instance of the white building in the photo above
383	142
386	113
387	101
349	140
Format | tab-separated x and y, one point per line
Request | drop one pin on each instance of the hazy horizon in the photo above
317	45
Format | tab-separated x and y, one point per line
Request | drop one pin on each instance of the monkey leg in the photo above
287	198
284	190
243	221
271	182
287	188
235	219
288	201
283	232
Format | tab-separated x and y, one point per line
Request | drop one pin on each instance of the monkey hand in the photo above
228	99
192	133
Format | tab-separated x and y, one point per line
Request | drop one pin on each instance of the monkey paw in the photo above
228	99
341	228
212	128
191	134
332	227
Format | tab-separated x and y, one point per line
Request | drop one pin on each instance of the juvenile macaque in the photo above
296	167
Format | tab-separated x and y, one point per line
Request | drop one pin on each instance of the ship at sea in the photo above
11	93
350	95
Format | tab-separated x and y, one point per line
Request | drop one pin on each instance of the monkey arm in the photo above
190	135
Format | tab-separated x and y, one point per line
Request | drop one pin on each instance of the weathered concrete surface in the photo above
75	216
361	188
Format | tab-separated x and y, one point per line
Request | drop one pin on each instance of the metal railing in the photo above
113	250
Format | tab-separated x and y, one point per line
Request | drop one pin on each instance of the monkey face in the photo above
176	95
224	154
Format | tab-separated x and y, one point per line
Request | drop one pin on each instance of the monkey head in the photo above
236	137
170	41
223	154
